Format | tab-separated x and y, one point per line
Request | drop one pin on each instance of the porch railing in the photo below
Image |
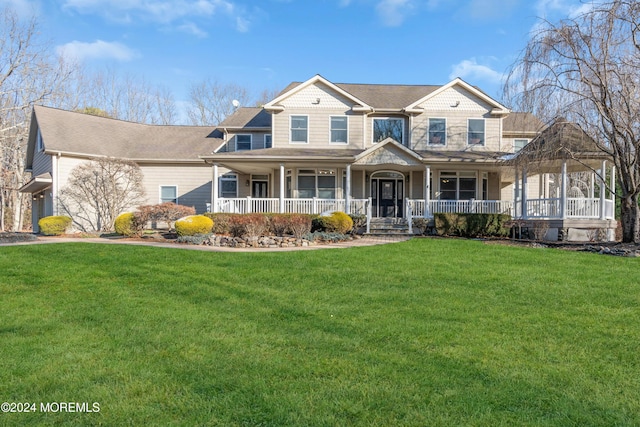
587	208
417	207
305	206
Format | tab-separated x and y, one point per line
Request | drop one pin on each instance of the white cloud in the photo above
191	28
96	50
164	12
393	12
490	9
471	71
21	7
563	8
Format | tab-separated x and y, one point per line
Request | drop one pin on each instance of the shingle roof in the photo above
84	134
247	117
518	122
382	96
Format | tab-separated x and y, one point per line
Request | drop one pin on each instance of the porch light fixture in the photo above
246	183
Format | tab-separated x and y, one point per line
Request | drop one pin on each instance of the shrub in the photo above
194	224
279	224
250	226
359	222
221	222
54	225
338	222
323	236
196	239
471	225
164	212
299	225
127	225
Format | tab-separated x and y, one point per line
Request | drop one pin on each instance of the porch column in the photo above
282	178
516	191
524	193
603	189
427	190
347	194
214	189
612	190
563	191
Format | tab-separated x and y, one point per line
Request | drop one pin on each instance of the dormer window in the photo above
388	127
243	142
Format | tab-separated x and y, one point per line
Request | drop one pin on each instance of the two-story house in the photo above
400	151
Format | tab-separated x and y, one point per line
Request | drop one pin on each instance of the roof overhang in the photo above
37	183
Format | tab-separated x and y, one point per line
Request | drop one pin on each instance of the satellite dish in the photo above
235	103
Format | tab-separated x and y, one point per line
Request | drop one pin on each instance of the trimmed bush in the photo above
221	222
299	225
127	225
54	225
337	222
164	212
279	224
194	224
472	225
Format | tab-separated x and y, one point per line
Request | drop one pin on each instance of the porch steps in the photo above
388	227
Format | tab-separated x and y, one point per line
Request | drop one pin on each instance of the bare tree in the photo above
99	190
212	101
29	74
587	69
126	97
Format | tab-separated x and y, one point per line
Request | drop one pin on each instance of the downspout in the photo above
54	185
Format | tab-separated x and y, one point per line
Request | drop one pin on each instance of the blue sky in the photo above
266	44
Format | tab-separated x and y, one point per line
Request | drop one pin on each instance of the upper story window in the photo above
518	144
388	127
437	131
475	132
339	130
299	129
243	142
267	141
168	193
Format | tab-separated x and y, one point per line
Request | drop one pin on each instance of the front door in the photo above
386	194
259	189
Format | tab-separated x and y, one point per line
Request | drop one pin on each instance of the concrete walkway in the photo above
365	241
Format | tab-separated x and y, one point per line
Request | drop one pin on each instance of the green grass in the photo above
426	332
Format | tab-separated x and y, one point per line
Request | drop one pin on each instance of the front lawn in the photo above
425	332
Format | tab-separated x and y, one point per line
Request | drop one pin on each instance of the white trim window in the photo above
169	193
388	127
319	183
339	130
299	126
243	142
518	144
39	142
457	185
228	184
437	131
475	131
267	141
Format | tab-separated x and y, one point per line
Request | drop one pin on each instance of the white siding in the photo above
193	182
456	106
